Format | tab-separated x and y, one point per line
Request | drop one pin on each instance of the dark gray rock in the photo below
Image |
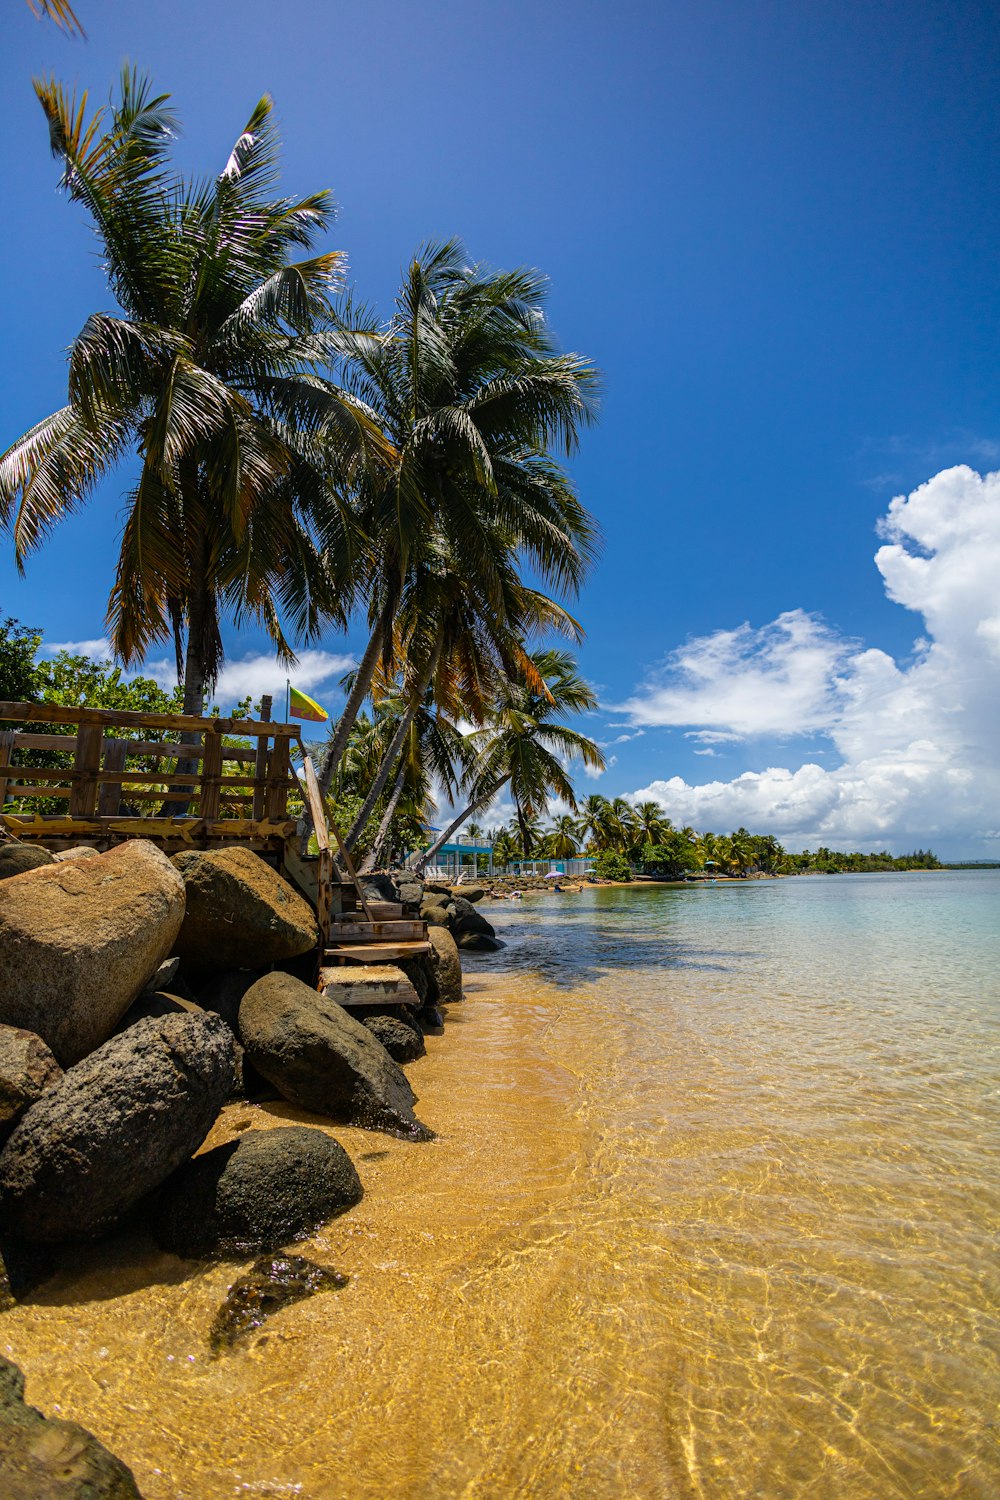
27	1069
240	913
379	888
273	1282
420	972
432	1020
165	975
465	918
446	965
478	942
114	1127
403	1043
320	1058
45	1458
153	1004
255	1194
15	858
410	888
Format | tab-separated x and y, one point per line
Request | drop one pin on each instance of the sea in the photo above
711	1214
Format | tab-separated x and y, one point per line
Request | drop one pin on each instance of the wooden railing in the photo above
128	774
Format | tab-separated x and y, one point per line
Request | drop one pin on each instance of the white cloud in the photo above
250	676
918	743
99	649
594	773
779	680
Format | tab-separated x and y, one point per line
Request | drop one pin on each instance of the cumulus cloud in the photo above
917	743
250	676
98	649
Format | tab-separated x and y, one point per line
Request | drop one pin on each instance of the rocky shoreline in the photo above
138	996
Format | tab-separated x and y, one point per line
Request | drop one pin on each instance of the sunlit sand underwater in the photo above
712	1212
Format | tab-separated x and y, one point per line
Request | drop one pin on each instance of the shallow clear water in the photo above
712	1213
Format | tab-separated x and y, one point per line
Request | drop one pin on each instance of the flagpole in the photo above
288	698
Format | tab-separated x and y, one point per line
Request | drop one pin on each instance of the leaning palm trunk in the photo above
378	785
334	752
439	843
372	858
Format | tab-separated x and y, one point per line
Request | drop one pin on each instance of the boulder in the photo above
79	851
435	912
404	1043
446	964
472	893
240	913
321	1059
379	888
114	1127
15	858
46	1458
255	1194
420	973
80	939
477	942
465	918
27	1069
410	888
435	888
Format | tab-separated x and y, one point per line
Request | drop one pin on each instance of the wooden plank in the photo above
137	749
19	789
276	800
376	984
58	825
55	713
376	953
375	932
211	777
381	911
109	800
314	801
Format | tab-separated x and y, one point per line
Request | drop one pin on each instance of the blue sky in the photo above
774	226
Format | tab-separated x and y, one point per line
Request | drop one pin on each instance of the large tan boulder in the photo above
79	940
446	964
240	913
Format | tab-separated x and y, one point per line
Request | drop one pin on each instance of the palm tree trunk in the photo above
438	843
375	790
366	671
372	858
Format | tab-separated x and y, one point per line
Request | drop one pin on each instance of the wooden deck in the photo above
97	776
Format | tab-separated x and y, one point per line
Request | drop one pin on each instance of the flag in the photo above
301	706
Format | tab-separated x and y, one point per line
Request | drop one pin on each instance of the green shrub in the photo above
610	865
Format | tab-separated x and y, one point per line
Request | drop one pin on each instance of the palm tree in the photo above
470	394
650	822
524	743
593	821
210	375
560	837
621	825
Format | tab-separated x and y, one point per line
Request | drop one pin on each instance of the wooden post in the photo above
260	765
110	796
276	805
211	770
6	750
87	763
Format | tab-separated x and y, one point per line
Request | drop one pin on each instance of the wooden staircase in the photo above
378	935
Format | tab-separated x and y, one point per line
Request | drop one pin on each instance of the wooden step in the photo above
377	932
375	953
382	911
376	984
